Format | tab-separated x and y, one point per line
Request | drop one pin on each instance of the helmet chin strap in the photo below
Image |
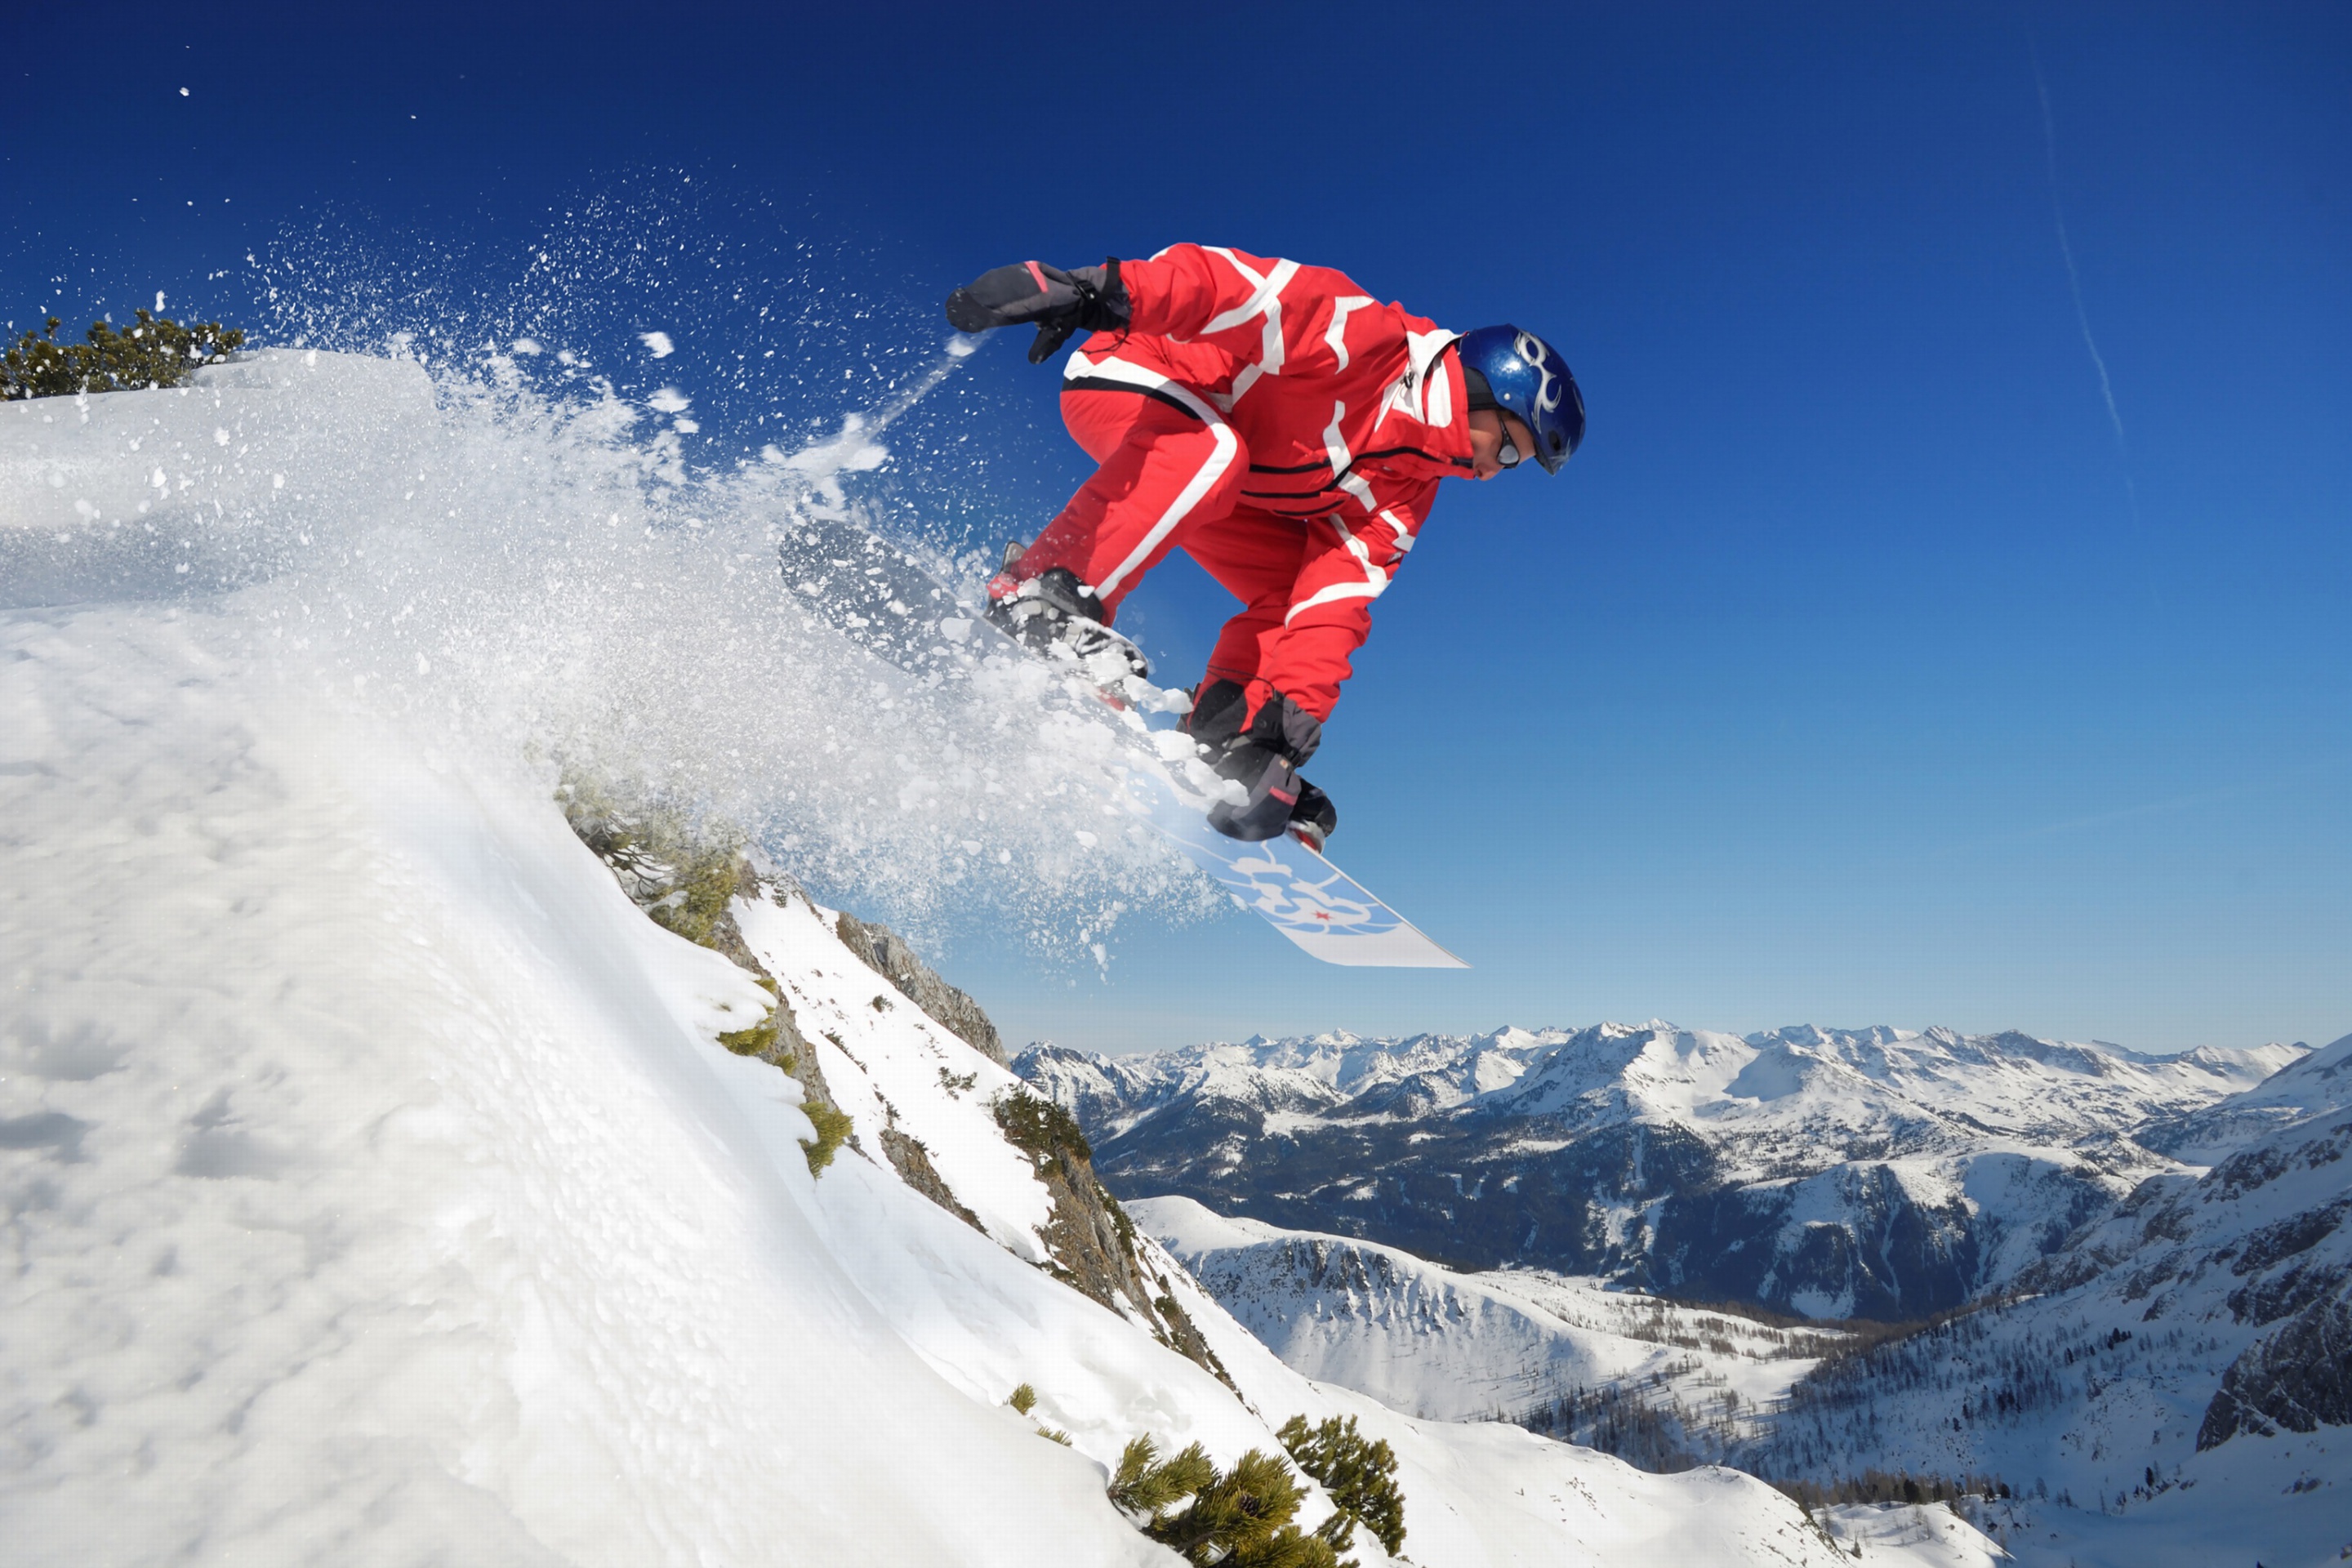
1482	395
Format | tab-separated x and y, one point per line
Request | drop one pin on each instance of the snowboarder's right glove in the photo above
1059	302
1258	737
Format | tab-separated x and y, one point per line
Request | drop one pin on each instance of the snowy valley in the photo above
2155	1362
391	1179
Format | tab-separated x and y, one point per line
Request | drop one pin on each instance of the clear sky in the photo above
1922	635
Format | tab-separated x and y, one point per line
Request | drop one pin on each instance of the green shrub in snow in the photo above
1039	1127
1025	1400
155	352
761	1040
832	1127
1359	1475
1239	1518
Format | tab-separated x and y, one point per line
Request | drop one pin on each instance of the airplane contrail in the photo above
2075	286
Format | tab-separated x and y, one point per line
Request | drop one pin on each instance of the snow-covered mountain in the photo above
384	1186
2173	1386
1879	1173
1510	1344
2182	1371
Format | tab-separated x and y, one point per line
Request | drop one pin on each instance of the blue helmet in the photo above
1526	374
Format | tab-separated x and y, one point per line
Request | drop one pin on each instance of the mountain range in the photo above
2170	1389
1882	1173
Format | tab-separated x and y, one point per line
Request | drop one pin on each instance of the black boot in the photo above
1055	610
1262	753
1313	819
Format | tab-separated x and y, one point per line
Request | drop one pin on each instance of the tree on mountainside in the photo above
156	352
1235	1518
1358	1474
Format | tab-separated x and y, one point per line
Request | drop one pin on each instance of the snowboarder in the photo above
1286	431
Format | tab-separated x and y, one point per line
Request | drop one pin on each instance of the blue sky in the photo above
1854	672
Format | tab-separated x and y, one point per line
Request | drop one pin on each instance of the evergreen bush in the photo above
1236	1519
1360	1475
833	1128
156	352
1040	1126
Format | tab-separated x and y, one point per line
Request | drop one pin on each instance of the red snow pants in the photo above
1169	479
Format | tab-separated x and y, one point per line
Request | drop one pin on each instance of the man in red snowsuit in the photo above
1286	431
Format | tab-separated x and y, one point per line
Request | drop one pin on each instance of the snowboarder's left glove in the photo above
1059	302
1258	737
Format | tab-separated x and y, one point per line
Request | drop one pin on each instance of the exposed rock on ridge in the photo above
894	960
690	888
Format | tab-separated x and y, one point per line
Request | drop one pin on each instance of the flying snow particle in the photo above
671	400
959	345
184	92
657	345
159	301
527	346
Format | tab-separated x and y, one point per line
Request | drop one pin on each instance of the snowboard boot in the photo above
1262	751
1313	818
1055	611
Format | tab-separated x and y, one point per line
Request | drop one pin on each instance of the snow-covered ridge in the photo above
205	485
1882	1173
379	1188
1510	1344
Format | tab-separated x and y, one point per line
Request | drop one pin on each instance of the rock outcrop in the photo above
894	960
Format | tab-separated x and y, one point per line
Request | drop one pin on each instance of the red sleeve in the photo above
1349	562
1275	316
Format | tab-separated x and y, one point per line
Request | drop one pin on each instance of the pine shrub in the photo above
1235	1518
1359	1475
833	1128
1040	1126
155	352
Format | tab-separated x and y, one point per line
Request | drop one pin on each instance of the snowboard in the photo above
889	602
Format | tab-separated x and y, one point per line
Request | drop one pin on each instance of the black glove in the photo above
1059	302
1262	751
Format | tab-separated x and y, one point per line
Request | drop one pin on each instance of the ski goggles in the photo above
1508	454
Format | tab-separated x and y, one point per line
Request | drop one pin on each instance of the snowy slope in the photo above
2180	1385
2179	1391
1428	1342
205	485
1877	1172
378	1189
2318	1082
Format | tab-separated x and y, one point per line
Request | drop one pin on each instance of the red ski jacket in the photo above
1350	412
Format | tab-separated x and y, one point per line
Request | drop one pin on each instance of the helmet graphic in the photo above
1528	376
